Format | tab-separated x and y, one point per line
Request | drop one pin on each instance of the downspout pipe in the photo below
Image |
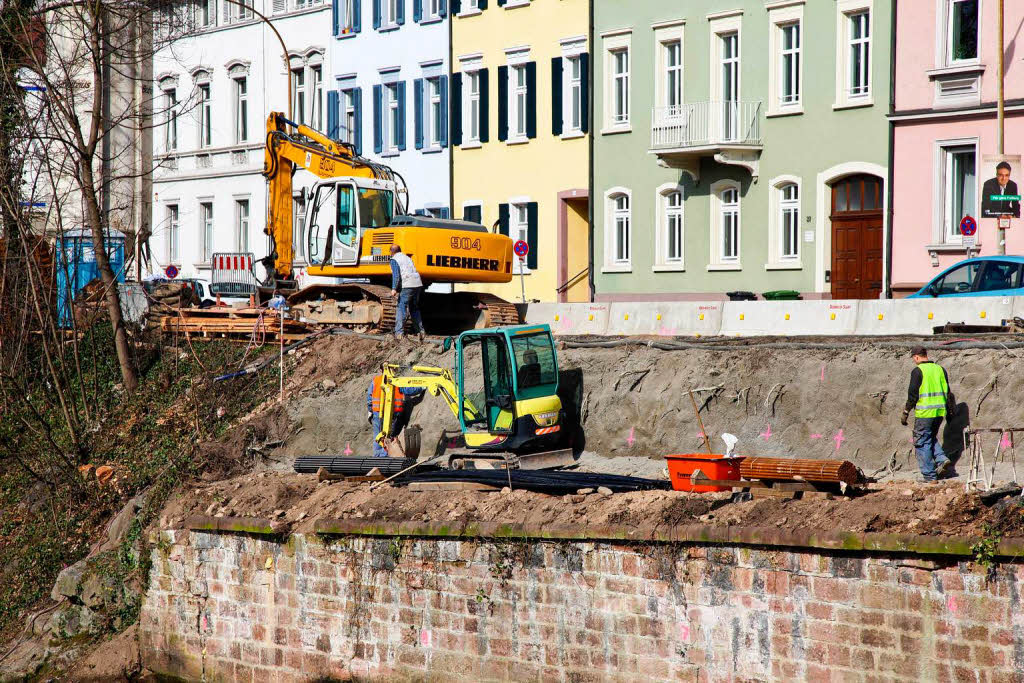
590	147
890	173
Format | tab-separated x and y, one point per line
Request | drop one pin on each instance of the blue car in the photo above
981	276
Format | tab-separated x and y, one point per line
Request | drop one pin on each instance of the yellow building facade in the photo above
520	135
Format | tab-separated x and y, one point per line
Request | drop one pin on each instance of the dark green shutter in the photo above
503	103
376	13
585	93
485	106
417	10
556	95
503	219
401	115
443	86
417	96
378	119
456	117
333	98
531	234
357	111
531	99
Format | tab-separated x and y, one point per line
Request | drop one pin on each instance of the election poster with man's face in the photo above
1000	191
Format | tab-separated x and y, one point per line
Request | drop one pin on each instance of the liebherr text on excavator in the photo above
357	211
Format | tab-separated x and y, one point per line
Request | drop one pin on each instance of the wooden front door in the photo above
857	238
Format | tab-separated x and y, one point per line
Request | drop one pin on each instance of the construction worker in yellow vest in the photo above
930	399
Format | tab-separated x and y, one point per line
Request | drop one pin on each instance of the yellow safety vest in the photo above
931	398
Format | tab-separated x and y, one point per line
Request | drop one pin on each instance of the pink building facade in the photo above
945	131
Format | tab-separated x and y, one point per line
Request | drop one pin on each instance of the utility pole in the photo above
1001	115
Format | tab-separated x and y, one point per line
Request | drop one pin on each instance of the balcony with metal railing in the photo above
729	131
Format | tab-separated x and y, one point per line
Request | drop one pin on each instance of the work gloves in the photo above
903	418
369	417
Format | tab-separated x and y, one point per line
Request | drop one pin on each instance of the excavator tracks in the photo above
365	307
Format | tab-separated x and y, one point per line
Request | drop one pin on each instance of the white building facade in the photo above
389	92
213	92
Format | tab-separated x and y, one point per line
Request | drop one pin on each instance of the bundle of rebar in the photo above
352	467
795	469
546	481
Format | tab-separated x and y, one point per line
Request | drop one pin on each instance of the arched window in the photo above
622	220
672	226
618	229
729	222
789	221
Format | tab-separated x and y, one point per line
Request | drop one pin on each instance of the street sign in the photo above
521	248
171	271
968	226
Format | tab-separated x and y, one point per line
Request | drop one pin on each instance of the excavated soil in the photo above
635	407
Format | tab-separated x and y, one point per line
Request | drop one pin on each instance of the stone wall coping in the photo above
870	542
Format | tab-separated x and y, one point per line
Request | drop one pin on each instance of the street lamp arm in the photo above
284	48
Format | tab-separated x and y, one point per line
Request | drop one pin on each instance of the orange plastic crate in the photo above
712	465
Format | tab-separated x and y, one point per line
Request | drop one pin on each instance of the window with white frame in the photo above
789	222
729	45
205	115
472	113
205	231
170	119
434	112
859	64
390	17
348	130
727	246
619	230
962	31
299	95
172	233
960	185
517	94
316	117
242	10
393	118
672	211
518	229
242	224
241	109
572	112
433	9
789	64
206	13
672	62
620	87
346	16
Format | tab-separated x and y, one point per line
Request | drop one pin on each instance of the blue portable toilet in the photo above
76	266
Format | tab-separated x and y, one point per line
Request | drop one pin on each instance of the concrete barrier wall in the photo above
782	318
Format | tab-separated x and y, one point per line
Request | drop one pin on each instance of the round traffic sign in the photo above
521	248
171	271
968	226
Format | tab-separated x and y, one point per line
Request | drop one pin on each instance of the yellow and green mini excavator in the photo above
504	391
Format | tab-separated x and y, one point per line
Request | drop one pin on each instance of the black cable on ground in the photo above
542	481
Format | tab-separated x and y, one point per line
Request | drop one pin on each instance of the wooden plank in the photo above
377	477
450	486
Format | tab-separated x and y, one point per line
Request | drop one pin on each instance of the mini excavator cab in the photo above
507	381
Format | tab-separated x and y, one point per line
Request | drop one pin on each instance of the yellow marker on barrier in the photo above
591	316
983	314
833	316
626	317
880	316
741	316
658	317
787	316
701	316
931	316
556	318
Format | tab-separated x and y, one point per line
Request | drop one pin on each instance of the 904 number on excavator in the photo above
465	243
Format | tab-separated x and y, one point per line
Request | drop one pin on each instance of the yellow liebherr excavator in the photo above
355	213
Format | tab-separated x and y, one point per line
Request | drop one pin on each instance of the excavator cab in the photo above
341	211
508	389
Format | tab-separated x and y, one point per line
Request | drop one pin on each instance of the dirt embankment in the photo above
634	400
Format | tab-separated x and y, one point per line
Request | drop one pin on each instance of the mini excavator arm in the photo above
436	381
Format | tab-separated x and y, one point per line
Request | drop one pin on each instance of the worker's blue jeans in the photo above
409	303
378	450
930	456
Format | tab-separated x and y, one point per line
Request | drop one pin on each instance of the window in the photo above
434	108
575	92
241	110
473	106
394	118
620	85
205	231
620	227
205	116
172	233
240	12
206	14
959	280
433	9
962	31
730	84
789	221
299	95
317	115
170	119
299	232
672	203
859	74
519	230
391	8
789	78
348	131
999	275
729	218
960	191
242	224
518	94
673	60
346	16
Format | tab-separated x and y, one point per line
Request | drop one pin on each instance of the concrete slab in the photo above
920	316
570	318
666	319
789	318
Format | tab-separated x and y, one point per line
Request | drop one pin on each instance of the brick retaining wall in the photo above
237	606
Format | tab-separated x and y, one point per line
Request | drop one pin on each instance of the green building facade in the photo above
740	146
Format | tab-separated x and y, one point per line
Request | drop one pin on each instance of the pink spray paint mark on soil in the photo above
348	448
839	439
1005	442
815	436
767	433
631	439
